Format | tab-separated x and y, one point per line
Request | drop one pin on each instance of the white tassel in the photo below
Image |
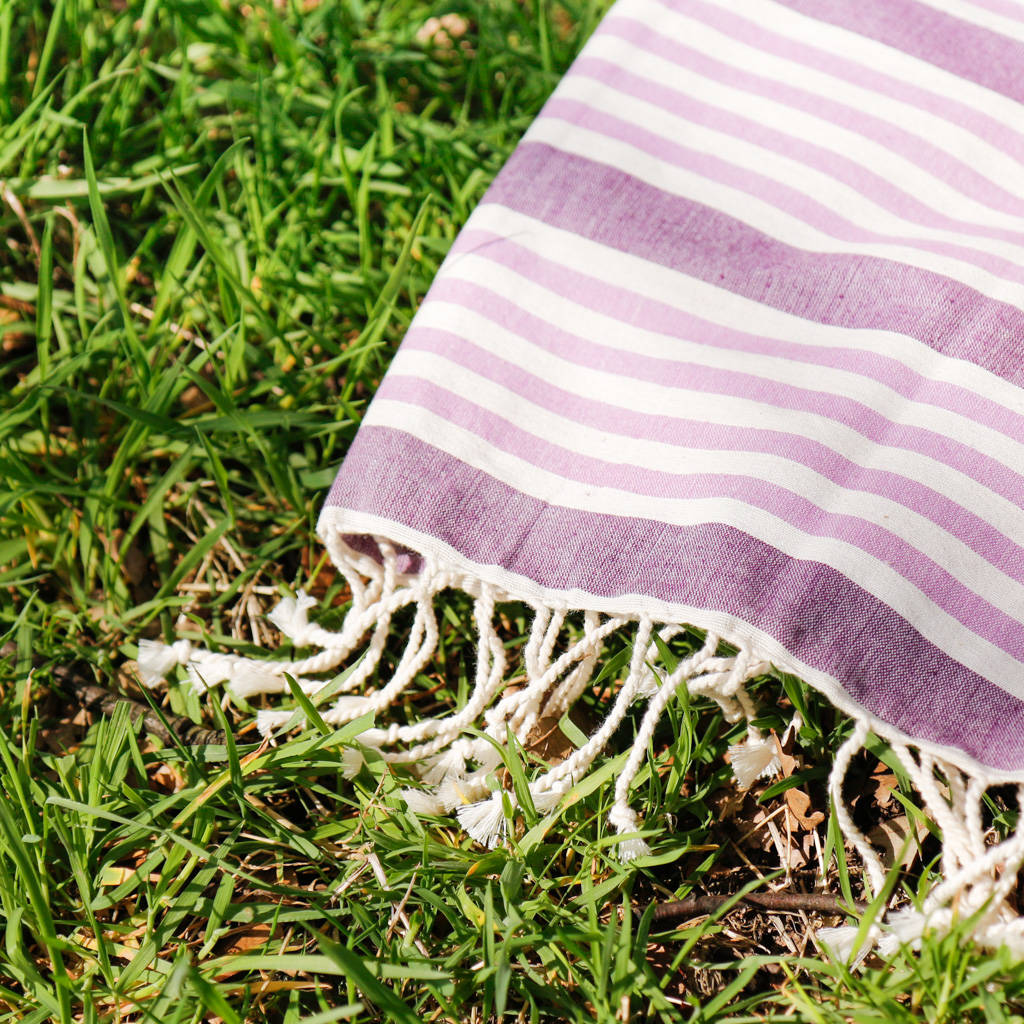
454	793
753	760
270	719
156	660
352	761
209	672
547	800
649	685
450	794
903	928
840	943
623	819
290	616
346	707
630	849
349	706
449	764
419	801
1005	933
248	682
486	755
796	723
244	678
485	820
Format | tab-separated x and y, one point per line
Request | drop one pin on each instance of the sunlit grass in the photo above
218	220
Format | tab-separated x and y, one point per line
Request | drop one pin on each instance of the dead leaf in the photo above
799	804
788	763
892	834
168	777
547	740
884	782
246	938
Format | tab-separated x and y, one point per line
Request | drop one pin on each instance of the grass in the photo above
219	219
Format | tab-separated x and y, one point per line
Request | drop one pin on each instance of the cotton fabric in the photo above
736	339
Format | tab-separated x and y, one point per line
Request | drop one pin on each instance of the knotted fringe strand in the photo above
457	763
977	876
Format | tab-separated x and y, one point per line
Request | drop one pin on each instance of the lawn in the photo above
219	219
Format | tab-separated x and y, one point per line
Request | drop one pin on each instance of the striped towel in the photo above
735	341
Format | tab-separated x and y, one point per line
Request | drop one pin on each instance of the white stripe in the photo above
753	210
911	178
997	23
965	145
661	400
723	307
681	461
871	575
782	20
851	206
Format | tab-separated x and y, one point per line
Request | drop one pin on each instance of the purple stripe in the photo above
883	662
656	316
608	206
912	148
632	310
978	535
968	51
784	197
943	589
866	76
873	186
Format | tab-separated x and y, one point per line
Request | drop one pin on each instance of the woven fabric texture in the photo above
737	339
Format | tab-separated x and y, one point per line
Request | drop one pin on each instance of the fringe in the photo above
455	754
978	874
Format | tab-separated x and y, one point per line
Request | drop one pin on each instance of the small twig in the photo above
176	329
700	906
73	679
397	911
19	211
207	588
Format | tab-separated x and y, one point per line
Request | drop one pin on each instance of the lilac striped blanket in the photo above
735	340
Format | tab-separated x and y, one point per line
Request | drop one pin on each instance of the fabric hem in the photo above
336	523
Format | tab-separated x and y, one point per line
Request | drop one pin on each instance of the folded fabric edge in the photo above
388	567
